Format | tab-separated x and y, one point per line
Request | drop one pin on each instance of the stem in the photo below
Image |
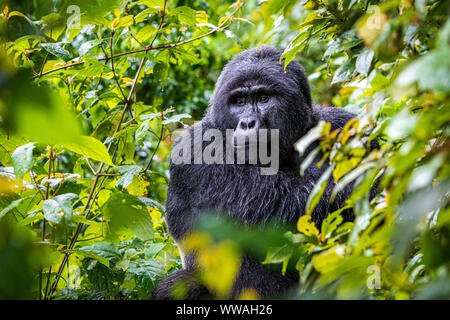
94	185
157	146
72	241
43	64
93	192
114	70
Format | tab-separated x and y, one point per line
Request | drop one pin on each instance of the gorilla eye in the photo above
263	99
240	101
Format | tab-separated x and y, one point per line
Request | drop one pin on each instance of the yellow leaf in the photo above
326	261
201	17
138	186
306	226
115	22
220	265
309	5
223	20
39	177
9	186
248	294
196	240
127	80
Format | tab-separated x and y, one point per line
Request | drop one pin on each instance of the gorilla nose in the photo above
248	123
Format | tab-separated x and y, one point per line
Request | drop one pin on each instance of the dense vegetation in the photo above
92	92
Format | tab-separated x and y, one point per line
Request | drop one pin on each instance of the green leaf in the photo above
141	132
61	50
152	3
150	116
53	25
148	272
92	255
153	249
272	7
364	61
176	118
317	191
125	211
185	15
128	173
315	133
11	206
88	45
125	22
346	41
94	12
345	72
296	46
379	82
331	222
184	56
92	67
145	33
349	177
431	72
401	125
279	255
89	147
152	203
309	160
103	249
161	71
144	14
41	114
59	207
23	159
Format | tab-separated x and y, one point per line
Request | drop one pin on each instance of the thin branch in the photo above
160	24
33	176
157	146
114	70
140	43
94	185
90	166
43	64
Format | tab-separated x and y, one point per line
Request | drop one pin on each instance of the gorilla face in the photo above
254	92
249	109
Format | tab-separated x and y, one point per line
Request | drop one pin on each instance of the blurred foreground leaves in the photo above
86	129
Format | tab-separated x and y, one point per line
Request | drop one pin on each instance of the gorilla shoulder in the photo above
336	116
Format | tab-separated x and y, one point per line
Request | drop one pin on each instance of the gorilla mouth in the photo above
245	142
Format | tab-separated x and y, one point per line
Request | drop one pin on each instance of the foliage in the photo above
88	107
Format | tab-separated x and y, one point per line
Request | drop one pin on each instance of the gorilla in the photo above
253	93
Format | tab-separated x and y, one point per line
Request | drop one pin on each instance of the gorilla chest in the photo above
243	192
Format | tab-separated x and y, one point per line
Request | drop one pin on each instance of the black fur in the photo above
240	190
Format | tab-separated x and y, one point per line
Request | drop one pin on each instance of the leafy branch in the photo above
127	104
224	25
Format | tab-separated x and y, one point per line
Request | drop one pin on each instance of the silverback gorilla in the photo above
253	92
